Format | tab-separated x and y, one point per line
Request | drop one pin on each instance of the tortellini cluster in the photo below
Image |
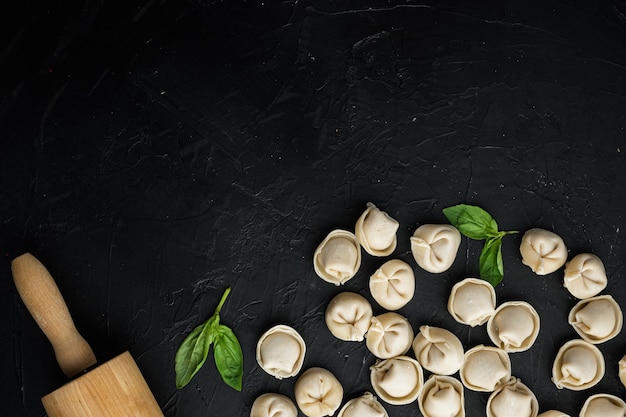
434	246
543	251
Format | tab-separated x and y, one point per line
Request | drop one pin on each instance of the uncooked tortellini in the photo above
596	319
376	231
389	335
348	316
472	301
578	365
393	284
442	396
438	350
280	351
585	276
318	393
622	370
434	246
543	251
553	413
364	406
338	257
514	326
603	405
273	405
512	399
485	368
397	380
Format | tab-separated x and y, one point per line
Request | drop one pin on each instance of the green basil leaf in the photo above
490	262
228	356
472	221
192	353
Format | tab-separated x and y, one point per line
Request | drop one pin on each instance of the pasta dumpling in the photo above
393	284
338	257
622	370
442	396
472	301
434	246
597	319
364	406
553	413
348	316
397	380
485	368
273	405
280	351
512	399
603	405
585	276
578	365
543	251
438	350
318	393
376	231
390	334
514	326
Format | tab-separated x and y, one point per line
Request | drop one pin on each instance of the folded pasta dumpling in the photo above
596	319
393	284
578	365
338	257
318	393
364	406
280	351
376	231
390	334
512	399
442	396
585	276
622	370
472	301
603	405
348	316
553	413
485	368
438	350
434	246
397	380
514	326
543	251
273	405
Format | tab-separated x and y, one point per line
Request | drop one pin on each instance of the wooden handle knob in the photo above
45	302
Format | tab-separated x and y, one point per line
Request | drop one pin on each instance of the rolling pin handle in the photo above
45	303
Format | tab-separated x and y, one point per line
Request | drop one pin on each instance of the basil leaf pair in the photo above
227	353
477	224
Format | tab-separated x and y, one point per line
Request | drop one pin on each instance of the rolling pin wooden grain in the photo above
113	389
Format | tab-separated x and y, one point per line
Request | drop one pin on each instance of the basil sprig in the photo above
477	224
227	353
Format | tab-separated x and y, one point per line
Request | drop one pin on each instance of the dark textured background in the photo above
155	153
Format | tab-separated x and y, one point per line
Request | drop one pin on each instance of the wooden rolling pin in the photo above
113	389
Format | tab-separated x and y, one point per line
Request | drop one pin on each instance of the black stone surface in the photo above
155	153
